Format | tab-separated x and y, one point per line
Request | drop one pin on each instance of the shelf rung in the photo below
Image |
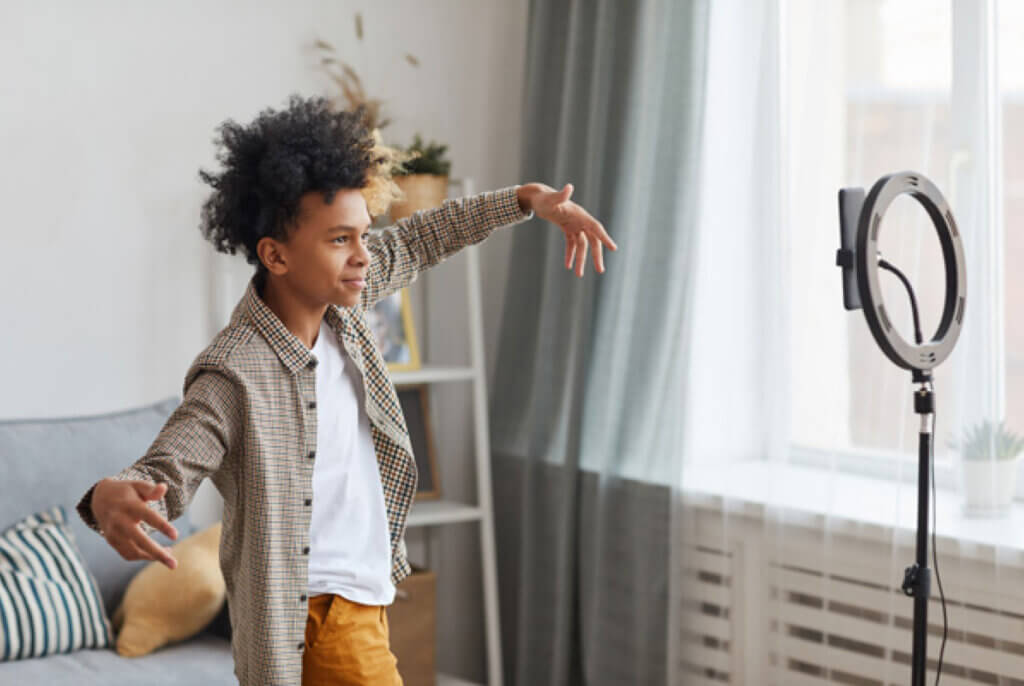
431	512
449	680
432	374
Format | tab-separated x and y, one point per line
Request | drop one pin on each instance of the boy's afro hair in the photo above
282	155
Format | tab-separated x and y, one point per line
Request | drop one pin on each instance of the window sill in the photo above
808	495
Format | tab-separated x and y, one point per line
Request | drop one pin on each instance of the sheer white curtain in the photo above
794	509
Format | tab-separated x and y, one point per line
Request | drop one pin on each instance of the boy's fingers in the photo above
136	552
143	487
147	490
603	236
155	550
582	263
128	550
607	239
154	519
156	492
152	516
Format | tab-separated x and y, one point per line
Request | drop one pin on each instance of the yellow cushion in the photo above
162	605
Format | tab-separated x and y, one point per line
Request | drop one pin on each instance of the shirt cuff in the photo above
84	509
504	207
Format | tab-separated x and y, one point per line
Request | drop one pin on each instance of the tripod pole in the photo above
917	579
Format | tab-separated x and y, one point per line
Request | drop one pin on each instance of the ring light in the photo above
860	221
865	215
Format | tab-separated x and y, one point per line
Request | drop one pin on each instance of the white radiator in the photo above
782	603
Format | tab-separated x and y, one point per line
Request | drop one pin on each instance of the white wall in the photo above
107	112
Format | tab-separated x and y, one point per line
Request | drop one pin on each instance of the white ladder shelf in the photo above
439	513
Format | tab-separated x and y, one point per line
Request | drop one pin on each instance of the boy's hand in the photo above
581	230
119	506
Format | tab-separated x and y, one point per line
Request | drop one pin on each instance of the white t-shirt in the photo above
350	546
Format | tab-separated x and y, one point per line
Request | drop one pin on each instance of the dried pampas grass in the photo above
381	190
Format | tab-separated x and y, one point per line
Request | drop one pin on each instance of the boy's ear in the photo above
272	256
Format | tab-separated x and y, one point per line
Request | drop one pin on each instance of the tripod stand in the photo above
917	578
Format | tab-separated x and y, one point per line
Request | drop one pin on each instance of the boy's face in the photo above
325	258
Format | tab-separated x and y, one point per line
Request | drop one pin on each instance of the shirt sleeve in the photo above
428	237
192	445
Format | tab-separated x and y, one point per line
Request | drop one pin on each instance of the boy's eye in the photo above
364	236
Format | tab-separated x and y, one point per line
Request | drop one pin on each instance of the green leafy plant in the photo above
988	440
427	158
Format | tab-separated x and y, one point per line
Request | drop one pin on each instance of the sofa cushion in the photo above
49	602
55	461
162	606
204	660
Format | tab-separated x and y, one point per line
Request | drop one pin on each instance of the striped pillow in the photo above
49	602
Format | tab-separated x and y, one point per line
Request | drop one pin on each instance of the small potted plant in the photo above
423	178
989	455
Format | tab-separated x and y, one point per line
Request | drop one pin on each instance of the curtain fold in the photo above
586	405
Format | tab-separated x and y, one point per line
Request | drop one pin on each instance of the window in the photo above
1011	102
871	87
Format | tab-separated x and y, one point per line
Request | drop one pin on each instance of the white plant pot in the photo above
989	486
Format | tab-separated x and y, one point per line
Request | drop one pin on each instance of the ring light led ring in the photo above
901	352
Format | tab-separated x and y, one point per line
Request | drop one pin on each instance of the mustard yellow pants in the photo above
347	644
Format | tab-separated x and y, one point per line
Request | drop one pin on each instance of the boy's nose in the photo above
366	255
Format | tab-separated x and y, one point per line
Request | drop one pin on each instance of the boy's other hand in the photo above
580	228
119	507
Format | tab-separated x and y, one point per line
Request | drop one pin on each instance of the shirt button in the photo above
312	404
300	646
302	597
311	363
312	454
309	501
305	551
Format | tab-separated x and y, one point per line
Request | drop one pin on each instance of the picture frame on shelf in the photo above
415	402
391	322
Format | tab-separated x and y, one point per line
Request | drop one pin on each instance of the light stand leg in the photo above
917	579
922	591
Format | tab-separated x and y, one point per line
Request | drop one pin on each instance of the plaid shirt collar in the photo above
292	351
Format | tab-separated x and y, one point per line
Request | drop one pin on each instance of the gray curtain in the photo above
587	406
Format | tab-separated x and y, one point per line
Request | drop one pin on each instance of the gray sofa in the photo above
54	461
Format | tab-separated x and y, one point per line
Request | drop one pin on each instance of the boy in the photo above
290	410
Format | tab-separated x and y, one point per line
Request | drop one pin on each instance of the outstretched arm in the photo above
158	487
422	240
428	237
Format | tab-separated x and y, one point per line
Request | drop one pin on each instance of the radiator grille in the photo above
838	621
788	604
707	633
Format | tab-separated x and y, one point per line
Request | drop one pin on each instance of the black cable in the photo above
935	551
931	449
913	301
